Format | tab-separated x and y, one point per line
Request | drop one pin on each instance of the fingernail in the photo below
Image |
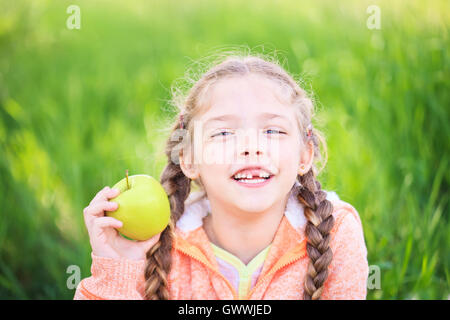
115	190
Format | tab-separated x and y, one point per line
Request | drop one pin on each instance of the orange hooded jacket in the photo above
195	273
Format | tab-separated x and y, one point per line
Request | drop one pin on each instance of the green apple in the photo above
144	207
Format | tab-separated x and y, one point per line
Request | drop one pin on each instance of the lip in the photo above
254	185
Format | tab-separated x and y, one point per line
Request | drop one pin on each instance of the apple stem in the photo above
126	173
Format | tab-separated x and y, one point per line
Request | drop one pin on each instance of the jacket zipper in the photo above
235	296
273	272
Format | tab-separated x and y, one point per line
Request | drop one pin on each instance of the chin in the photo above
253	203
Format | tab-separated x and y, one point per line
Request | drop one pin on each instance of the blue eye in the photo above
220	134
277	131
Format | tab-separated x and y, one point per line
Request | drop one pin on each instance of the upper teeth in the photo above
250	176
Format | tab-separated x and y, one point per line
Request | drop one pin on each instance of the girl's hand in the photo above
104	238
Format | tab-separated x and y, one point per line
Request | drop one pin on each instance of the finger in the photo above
98	209
105	222
100	194
105	194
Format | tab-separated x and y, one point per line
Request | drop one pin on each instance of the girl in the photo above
259	227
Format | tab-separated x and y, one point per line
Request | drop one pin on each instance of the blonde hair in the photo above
317	209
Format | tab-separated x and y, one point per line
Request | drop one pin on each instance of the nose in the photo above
246	152
250	147
251	151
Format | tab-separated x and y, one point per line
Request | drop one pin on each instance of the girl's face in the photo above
247	125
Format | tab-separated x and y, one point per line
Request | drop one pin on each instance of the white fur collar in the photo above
197	207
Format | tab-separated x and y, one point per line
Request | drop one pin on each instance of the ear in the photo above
189	169
306	159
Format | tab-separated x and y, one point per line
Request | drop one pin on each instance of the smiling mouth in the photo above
254	182
252	179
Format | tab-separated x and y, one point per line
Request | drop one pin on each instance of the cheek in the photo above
283	152
219	152
210	174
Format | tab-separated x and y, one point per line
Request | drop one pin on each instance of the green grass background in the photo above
78	107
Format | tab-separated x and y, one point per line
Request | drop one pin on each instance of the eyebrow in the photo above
263	116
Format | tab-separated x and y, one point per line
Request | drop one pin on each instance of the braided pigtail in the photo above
320	221
158	258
